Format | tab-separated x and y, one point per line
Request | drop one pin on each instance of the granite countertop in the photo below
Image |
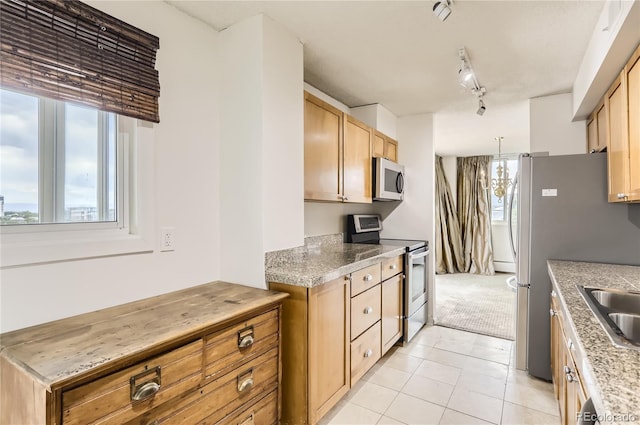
612	374
322	260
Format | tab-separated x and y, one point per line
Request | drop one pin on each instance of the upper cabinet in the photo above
597	129
622	109
384	147
337	154
323	135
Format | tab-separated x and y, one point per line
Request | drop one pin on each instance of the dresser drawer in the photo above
365	352
392	266
228	348
222	396
263	412
364	279
112	399
365	310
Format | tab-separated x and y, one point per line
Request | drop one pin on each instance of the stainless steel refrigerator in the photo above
559	210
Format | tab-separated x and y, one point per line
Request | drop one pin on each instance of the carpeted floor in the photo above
476	303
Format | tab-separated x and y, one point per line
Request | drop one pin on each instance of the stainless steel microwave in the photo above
388	180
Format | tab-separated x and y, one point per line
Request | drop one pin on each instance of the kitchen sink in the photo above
624	302
618	312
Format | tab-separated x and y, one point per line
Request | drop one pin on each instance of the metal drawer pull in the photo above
368	310
146	389
245	384
368	353
249	420
552	312
393	266
368	278
567	369
570	378
553	294
245	337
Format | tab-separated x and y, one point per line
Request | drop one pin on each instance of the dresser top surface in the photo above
59	352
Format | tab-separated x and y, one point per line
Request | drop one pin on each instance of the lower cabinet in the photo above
316	349
332	334
567	382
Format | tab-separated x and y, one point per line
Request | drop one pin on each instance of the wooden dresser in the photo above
207	354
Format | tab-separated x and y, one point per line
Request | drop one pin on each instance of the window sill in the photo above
18	250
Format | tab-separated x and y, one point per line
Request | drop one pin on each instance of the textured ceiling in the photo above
397	53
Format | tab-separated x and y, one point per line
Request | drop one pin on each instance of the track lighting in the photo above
481	108
467	79
441	9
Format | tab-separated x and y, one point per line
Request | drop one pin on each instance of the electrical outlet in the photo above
167	239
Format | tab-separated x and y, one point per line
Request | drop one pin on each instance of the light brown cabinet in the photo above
597	129
384	147
205	354
332	334
622	107
567	381
337	154
316	349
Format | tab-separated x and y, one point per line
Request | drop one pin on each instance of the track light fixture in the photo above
467	79
441	9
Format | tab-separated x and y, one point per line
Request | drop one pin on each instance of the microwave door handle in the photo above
400	183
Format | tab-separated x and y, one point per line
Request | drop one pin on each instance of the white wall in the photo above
552	129
614	38
378	117
261	146
464	133
413	218
185	149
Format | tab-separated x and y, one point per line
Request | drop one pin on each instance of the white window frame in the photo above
24	245
505	220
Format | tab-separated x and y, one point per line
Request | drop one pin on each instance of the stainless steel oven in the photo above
416	290
366	229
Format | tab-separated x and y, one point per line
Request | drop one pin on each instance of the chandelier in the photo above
501	183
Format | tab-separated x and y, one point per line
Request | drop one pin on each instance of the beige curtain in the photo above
474	214
449	257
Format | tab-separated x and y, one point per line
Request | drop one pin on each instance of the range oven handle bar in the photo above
418	255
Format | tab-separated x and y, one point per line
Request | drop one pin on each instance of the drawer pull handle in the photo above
146	389
250	420
368	353
245	385
367	278
245	381
552	312
368	310
393	266
245	337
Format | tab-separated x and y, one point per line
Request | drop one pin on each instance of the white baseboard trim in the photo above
505	267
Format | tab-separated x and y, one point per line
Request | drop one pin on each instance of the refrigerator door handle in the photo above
510	225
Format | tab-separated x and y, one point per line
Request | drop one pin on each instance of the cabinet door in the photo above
632	71
378	144
391	150
601	120
329	346
592	134
357	161
322	150
557	360
617	142
391	312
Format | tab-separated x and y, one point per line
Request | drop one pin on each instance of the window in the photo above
58	162
500	204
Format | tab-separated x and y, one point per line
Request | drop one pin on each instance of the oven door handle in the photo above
419	255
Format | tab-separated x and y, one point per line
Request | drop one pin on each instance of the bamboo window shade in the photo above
67	50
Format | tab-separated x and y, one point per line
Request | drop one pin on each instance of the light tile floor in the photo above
447	376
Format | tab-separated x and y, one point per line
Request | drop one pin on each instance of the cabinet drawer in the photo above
364	279
391	267
365	352
365	310
111	399
264	412
228	348
222	396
